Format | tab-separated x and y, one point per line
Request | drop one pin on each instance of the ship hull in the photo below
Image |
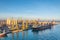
42	27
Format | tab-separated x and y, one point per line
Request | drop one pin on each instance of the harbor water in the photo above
47	34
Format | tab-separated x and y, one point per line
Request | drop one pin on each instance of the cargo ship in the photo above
42	27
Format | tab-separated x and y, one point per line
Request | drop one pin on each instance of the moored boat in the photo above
42	27
2	34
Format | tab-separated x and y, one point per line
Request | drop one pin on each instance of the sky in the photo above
46	9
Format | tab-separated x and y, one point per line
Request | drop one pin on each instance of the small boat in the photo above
2	34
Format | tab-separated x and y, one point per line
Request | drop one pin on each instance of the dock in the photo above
14	25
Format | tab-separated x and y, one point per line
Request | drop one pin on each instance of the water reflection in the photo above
24	35
52	33
16	36
12	36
